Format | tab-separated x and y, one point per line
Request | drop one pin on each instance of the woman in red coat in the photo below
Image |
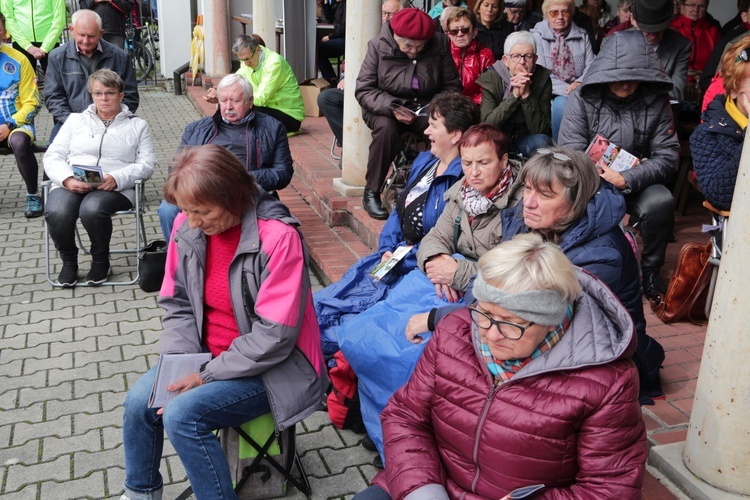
472	58
693	25
531	386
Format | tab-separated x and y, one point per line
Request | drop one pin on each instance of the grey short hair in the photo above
519	38
527	263
244	42
77	15
107	78
548	3
578	177
235	79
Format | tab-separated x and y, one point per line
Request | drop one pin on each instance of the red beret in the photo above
413	24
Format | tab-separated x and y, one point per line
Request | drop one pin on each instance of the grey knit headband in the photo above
543	307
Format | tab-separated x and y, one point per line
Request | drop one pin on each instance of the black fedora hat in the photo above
652	15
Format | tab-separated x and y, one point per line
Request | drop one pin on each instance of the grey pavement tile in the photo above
338	460
25	493
56	470
326	437
12	368
40	336
115	482
19	318
26	453
81	300
349	482
129	338
84	421
107	369
61	324
31	413
111	355
91	486
88	372
6	431
28	431
53	447
86	309
96	332
148	322
26	304
44	314
26	382
88	404
77	347
85	462
107	319
114	383
41	351
61	361
111	436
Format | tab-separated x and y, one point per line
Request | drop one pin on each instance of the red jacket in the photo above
569	419
473	63
703	37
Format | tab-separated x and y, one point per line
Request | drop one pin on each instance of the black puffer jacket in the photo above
641	123
716	145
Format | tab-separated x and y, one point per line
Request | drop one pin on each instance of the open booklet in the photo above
171	368
85	173
423	111
379	271
602	150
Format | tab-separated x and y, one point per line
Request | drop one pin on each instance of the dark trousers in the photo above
290	124
20	143
652	211
32	59
386	144
331	104
95	208
326	50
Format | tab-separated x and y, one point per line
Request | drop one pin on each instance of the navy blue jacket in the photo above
716	146
268	157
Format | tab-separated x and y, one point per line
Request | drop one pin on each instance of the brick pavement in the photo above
68	356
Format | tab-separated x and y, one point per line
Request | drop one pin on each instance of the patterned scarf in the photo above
503	371
563	66
475	203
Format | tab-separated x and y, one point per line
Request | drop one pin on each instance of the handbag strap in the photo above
456	231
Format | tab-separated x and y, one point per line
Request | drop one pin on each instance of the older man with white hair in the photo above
517	95
259	141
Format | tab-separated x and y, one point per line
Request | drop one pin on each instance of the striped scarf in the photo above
503	371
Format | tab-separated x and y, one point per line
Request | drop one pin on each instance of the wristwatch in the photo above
11	126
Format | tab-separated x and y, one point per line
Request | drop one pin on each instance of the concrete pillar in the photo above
175	34
717	448
217	43
365	17
264	22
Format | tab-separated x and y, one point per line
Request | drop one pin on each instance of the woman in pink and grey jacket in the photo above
236	285
529	388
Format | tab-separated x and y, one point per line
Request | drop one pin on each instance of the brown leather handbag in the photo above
688	287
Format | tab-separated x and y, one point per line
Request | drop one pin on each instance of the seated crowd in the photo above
504	283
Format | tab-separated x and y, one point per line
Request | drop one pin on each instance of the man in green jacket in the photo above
35	25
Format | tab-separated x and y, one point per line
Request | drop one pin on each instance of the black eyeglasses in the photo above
743	56
518	57
510	331
556	156
456	31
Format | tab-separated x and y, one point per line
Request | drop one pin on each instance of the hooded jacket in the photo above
65	82
30	21
580	47
474	239
641	123
569	419
716	146
516	117
266	153
270	291
385	78
124	149
703	37
470	65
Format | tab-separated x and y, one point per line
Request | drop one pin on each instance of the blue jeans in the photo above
558	110
528	144
167	214
189	420
95	208
372	493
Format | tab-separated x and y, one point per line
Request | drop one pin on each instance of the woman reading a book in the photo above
111	148
531	386
237	285
624	98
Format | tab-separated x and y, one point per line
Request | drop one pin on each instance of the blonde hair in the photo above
528	263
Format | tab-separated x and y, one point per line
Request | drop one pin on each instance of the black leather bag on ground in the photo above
151	261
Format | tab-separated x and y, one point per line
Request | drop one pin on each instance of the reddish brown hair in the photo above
484	132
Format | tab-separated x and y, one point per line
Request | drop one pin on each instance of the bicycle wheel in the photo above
143	61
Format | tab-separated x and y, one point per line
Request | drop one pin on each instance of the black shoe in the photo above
378	463
368	444
98	274
68	275
373	205
653	285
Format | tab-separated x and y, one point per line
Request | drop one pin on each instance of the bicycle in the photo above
142	58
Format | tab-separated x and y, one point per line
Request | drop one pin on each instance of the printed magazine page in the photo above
602	151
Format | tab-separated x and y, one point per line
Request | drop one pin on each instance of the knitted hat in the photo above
413	24
652	16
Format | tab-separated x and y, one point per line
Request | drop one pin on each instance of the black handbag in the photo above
151	261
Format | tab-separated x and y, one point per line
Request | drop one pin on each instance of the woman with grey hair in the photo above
275	88
106	137
531	387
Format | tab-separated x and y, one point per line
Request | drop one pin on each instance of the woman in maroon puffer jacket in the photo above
471	57
490	411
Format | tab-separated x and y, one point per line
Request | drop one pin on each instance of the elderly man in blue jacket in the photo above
258	140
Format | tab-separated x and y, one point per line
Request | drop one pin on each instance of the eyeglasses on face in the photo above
699	6
556	156
744	55
511	331
514	10
455	31
518	57
99	95
557	13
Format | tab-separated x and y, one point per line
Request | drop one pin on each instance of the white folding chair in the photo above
140	237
